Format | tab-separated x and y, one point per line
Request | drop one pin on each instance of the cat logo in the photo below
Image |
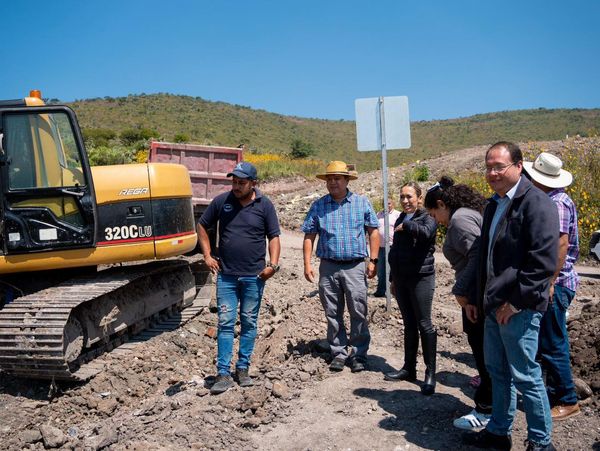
133	191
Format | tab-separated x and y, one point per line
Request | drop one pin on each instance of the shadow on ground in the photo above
466	358
428	425
379	364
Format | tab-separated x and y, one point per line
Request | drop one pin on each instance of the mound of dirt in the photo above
584	336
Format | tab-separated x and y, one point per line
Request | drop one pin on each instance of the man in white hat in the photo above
547	174
340	219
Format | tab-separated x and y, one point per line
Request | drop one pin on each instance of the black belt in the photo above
354	260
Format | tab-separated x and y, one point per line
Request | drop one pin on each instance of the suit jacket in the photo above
524	251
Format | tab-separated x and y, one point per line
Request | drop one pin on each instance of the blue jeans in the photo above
381	271
510	352
232	291
554	349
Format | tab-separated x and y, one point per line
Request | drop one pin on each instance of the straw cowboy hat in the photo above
338	168
547	170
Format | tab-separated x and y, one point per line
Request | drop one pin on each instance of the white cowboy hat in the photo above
547	170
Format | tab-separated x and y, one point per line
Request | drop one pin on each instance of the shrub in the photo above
132	135
104	155
129	136
301	149
420	173
270	166
141	156
181	138
98	136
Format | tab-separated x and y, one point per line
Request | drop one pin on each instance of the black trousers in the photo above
414	294
483	394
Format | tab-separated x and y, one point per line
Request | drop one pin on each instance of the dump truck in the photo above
208	167
86	253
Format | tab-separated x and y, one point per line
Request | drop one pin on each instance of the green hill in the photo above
230	125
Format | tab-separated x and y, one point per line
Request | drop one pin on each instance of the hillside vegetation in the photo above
184	118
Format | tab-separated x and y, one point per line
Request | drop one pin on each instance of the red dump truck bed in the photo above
208	167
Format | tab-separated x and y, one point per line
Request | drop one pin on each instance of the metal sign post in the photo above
372	134
386	214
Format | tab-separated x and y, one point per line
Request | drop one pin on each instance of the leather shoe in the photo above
402	375
487	440
337	364
560	413
358	364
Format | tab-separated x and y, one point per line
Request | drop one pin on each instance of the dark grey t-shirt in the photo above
242	232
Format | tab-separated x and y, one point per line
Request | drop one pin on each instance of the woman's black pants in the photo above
414	294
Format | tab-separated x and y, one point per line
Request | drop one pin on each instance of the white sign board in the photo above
396	125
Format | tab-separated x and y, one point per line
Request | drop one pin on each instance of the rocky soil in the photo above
156	397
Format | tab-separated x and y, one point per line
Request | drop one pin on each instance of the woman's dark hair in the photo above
454	196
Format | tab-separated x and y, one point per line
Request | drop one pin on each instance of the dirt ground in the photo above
156	397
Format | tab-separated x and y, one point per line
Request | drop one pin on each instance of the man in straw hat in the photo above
340	219
517	258
547	174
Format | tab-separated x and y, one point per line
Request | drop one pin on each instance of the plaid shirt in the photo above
567	215
341	227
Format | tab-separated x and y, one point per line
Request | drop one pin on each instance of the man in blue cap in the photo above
244	218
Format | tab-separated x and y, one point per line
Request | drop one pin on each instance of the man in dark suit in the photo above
518	257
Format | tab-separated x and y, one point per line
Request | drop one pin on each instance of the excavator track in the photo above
56	333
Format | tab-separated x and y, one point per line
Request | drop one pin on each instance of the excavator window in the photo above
42	152
22	171
47	201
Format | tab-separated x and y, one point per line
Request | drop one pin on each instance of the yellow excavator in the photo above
60	220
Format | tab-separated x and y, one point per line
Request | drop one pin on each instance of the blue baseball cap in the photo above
244	170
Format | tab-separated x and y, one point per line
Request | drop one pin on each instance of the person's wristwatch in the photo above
373	260
274	267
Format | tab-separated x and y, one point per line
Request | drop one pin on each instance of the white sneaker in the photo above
473	421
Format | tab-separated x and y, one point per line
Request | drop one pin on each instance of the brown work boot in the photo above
560	413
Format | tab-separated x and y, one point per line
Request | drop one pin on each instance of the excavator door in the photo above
47	198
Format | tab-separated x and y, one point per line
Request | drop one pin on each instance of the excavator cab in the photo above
66	230
46	194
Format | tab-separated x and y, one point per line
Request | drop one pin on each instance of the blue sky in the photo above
309	58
